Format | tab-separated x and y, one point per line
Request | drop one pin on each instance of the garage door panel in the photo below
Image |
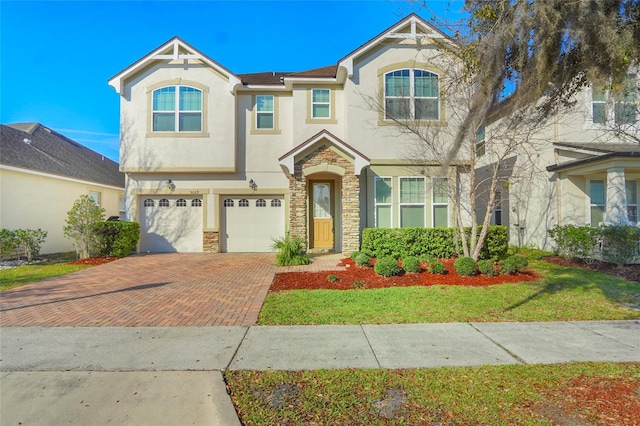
252	228
171	228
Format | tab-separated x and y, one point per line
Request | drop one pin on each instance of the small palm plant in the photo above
291	251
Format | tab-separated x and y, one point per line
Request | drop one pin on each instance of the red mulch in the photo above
94	261
628	272
366	275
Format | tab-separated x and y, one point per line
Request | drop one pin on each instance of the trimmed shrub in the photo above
119	239
465	266
575	241
411	264
291	251
362	260
332	278
436	267
520	261
620	244
387	267
354	254
513	264
487	267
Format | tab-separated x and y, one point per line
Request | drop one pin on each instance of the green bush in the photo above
362	259
20	242
332	278
411	264
291	251
387	267
513	264
436	267
119	239
520	261
487	267
575	241
354	254
82	222
465	266
620	244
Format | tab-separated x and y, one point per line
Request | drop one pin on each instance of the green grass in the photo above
55	266
488	395
562	294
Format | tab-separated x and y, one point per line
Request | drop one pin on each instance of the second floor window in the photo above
264	112
411	94
321	103
617	103
177	109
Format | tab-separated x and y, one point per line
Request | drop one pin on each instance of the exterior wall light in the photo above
253	185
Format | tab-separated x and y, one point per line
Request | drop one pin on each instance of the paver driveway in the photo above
172	289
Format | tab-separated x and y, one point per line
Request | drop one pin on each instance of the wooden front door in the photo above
322	214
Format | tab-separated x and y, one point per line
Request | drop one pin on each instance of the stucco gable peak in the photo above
411	27
175	50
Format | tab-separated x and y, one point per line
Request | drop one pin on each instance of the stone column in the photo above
350	213
298	205
616	209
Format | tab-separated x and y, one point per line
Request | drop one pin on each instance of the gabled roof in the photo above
360	160
411	27
35	147
172	51
598	152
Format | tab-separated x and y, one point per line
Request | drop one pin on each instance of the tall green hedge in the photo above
119	239
420	242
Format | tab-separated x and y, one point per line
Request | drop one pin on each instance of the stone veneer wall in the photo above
211	242
350	197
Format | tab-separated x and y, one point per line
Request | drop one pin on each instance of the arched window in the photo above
148	202
196	202
260	202
163	203
177	109
276	203
411	94
181	202
243	203
228	202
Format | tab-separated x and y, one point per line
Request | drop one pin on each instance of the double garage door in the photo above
171	224
175	224
250	223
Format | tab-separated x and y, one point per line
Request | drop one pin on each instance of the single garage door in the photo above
250	224
170	224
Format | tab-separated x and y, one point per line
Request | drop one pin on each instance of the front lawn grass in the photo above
21	275
562	294
488	395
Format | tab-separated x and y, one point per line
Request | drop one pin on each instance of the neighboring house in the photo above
43	172
217	161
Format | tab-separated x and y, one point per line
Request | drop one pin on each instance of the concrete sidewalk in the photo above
100	375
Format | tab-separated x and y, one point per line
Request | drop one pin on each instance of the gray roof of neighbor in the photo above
35	147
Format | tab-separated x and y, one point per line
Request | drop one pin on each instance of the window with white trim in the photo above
412	202
121	207
440	202
177	109
411	94
496	218
265	112
616	102
631	187
321	103
480	141
597	197
383	189
95	197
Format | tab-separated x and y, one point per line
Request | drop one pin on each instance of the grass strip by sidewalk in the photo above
488	395
562	294
26	274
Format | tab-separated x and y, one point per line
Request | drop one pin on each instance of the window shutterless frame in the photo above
383	200
321	103
412	201
440	201
412	94
176	109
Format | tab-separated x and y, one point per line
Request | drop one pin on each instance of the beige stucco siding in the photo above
42	201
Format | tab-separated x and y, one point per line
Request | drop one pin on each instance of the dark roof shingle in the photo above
35	147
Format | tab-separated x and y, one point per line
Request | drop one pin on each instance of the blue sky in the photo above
56	57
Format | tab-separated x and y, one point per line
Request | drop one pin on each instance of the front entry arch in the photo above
322	209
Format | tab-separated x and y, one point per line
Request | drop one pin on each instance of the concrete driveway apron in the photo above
154	290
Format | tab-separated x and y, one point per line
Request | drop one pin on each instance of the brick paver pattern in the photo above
154	290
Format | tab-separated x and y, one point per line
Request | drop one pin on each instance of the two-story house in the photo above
222	162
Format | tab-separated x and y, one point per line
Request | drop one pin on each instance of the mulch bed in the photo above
94	261
628	272
367	276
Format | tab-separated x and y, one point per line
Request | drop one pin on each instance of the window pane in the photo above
440	190
383	216
597	215
599	113
383	190
397	83
190	99
625	113
190	122
164	122
598	94
321	111
321	201
427	109
596	192
440	216
426	84
632	191
412	190
264	121
264	103
398	109
321	95
164	99
411	216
